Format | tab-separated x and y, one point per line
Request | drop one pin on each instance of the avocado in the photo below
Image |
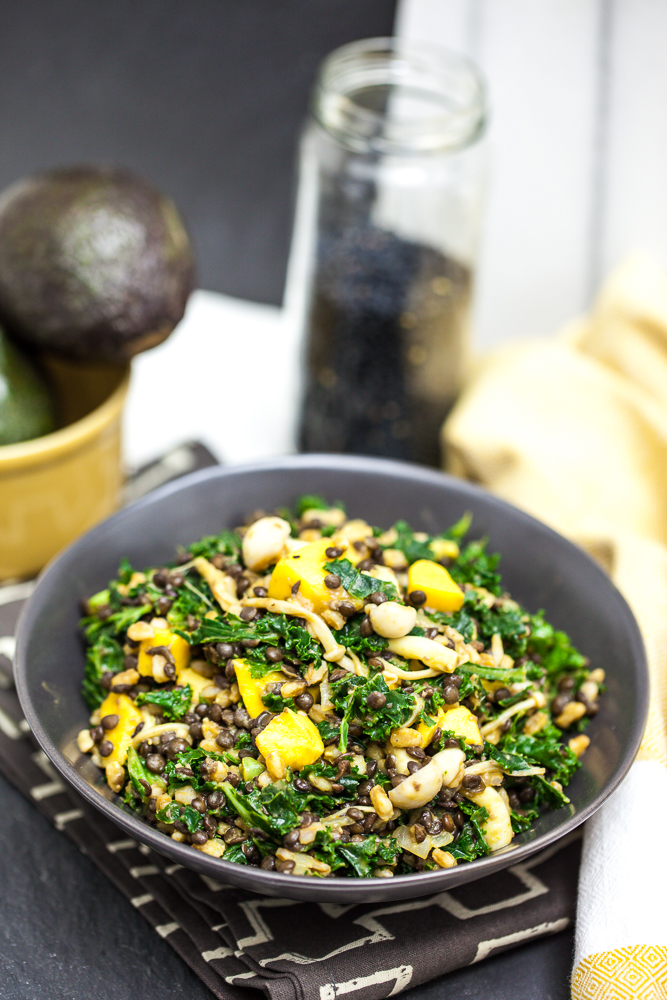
94	263
26	410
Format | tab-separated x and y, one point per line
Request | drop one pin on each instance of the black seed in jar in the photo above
155	763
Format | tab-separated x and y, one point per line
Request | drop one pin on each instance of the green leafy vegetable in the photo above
227	543
474	565
174	703
358	584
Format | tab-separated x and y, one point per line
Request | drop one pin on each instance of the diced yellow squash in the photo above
442	593
305	565
178	647
426	732
293	737
129	718
460	720
252	688
196	682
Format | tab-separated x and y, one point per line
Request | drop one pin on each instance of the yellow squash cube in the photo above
442	593
129	718
458	720
177	646
305	565
293	737
252	688
196	682
426	732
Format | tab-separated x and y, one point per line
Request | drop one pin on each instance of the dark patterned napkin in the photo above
236	941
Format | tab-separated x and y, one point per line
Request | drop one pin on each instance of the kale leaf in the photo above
474	565
350	636
351	698
554	647
544	749
358	584
470	843
272	809
227	543
174	703
105	654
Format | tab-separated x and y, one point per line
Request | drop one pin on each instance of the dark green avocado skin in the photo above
26	410
94	263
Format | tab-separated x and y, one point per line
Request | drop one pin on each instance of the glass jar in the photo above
391	181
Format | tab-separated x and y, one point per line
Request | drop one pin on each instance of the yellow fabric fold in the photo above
632	973
574	430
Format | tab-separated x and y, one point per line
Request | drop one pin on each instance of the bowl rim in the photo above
60	442
353	889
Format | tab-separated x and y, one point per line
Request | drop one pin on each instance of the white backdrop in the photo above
578	96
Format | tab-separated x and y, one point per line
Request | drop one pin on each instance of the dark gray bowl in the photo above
540	569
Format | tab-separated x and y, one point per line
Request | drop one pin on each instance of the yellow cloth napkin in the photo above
574	430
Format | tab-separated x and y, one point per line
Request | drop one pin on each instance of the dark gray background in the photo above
205	98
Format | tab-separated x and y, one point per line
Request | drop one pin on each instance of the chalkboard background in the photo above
205	98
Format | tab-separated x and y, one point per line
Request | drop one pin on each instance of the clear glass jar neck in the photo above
392	96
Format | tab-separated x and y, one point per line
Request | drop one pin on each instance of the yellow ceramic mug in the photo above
55	487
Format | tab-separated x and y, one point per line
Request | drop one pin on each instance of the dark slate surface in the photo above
67	932
205	98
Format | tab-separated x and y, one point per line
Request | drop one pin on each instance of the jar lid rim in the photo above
434	98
